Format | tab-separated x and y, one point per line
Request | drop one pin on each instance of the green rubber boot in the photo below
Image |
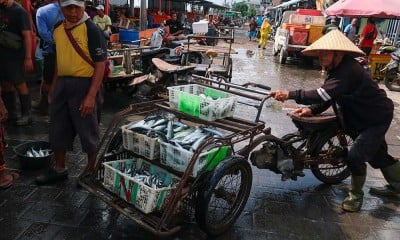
392	176
354	199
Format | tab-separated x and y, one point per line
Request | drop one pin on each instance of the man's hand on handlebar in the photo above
303	112
280	95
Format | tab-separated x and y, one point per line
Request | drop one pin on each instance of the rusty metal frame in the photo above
159	225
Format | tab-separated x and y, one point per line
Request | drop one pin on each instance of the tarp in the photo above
365	8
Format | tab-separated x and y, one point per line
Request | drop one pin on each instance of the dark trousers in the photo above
369	146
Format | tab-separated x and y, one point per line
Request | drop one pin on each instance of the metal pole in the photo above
143	15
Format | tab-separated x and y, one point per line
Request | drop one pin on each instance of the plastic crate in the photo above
129	36
315	32
185	98
298	35
310	12
140	144
178	158
377	62
143	197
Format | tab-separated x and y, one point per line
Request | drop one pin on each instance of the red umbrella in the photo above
365	8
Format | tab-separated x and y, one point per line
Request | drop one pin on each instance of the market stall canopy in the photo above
288	3
365	8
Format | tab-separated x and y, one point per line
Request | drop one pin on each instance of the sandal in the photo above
13	176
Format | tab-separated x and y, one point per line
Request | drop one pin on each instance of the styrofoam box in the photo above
143	197
178	158
139	143
318	20
300	19
200	27
186	98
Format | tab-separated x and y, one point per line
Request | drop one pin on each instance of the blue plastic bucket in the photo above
129	36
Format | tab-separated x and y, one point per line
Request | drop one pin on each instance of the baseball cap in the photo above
79	3
100	7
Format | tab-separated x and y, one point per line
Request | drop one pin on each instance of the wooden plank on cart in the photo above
202	48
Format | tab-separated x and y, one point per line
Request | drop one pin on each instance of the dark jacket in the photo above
361	101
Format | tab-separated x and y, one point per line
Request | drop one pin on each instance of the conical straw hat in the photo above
334	40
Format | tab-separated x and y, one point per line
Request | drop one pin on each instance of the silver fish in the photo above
199	142
170	129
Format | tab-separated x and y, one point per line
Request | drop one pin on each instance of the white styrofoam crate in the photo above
200	27
186	98
178	158
139	143
143	197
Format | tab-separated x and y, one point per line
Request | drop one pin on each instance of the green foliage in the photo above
240	7
251	12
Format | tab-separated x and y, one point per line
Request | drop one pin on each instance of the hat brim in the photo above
72	2
333	41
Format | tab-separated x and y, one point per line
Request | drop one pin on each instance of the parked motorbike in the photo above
320	144
392	75
163	75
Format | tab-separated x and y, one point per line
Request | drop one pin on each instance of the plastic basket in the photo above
143	197
178	158
185	98
140	144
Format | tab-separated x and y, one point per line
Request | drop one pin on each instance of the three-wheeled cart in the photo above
214	185
219	67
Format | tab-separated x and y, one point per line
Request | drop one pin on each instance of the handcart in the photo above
221	67
213	194
128	62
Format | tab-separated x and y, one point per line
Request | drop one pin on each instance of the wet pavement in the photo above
303	209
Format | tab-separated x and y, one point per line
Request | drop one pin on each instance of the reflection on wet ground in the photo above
303	209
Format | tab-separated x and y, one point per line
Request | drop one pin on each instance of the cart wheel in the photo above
224	195
333	151
282	56
116	142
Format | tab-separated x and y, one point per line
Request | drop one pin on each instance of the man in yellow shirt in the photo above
103	21
75	96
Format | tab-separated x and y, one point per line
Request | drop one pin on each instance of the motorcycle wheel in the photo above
223	197
331	151
392	80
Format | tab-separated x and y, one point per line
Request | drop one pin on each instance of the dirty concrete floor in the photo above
303	209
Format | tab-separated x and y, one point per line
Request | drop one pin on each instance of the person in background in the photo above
123	21
150	19
253	28
6	179
368	35
265	29
331	26
46	18
75	96
14	64
175	31
365	110
103	21
90	9
351	30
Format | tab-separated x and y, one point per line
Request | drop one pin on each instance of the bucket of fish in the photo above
34	155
